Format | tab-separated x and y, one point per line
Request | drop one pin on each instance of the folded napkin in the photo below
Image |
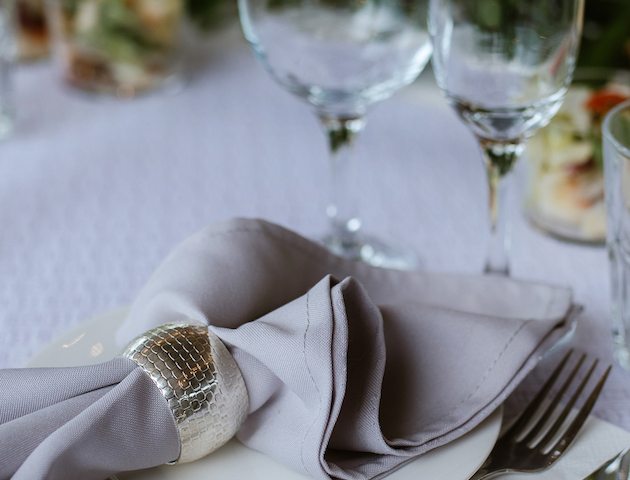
351	371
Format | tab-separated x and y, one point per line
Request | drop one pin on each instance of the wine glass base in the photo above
503	271
375	252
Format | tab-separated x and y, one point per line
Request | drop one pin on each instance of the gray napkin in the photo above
82	423
352	371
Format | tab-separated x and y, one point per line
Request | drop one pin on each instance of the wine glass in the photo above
504	66
342	56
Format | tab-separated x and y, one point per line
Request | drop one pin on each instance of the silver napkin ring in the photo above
199	379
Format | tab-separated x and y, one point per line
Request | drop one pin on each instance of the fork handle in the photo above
483	473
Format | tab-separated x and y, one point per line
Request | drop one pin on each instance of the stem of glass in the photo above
342	209
499	159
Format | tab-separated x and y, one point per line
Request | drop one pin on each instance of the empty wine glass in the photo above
341	56
504	66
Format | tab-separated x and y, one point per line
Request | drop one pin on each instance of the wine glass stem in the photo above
499	159
342	209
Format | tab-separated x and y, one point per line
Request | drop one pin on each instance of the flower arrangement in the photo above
566	185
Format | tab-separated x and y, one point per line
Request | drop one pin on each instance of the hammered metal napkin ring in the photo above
199	379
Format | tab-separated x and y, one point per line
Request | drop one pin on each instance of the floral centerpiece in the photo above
566	185
118	46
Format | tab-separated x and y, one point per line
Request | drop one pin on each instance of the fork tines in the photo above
541	428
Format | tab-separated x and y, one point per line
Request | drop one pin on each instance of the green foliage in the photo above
119	31
115	15
208	14
499	15
606	27
606	39
70	6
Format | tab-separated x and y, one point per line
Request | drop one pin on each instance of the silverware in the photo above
521	449
617	468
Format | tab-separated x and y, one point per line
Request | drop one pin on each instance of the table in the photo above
94	193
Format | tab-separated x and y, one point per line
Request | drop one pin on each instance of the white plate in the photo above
94	342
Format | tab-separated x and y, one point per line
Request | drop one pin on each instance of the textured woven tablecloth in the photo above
94	193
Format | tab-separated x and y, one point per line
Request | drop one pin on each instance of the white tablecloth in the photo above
94	193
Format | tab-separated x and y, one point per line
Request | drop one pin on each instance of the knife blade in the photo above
617	468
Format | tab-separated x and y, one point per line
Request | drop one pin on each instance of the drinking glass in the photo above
616	133
340	57
504	66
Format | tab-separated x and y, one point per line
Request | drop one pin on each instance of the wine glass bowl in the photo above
504	66
340	62
341	57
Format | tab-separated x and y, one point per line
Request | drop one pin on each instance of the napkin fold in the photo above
341	388
351	371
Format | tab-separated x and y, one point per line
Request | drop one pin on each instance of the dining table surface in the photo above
96	191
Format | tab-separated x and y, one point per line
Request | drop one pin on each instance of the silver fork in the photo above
517	449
